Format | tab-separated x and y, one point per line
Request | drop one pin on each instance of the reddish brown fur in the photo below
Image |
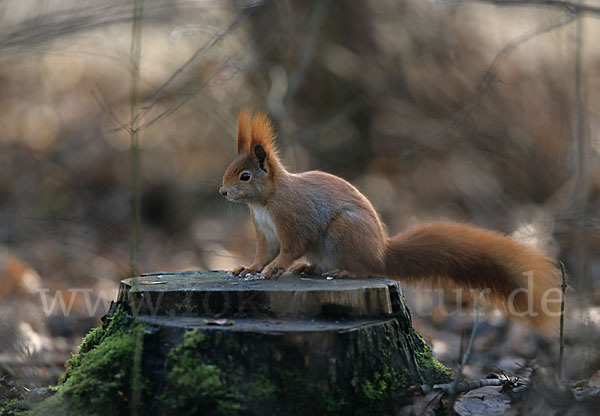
262	133
243	132
474	258
326	220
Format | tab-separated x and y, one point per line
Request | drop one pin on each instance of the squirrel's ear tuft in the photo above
261	132
243	132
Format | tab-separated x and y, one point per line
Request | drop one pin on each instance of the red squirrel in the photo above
326	221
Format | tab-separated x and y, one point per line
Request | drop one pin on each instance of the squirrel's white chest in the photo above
264	222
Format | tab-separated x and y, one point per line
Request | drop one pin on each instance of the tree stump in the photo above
210	343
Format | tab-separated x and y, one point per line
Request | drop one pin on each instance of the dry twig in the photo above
563	287
489	77
453	390
464	386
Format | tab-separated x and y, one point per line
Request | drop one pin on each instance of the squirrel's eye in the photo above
245	176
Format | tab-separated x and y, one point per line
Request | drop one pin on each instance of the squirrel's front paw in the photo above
274	272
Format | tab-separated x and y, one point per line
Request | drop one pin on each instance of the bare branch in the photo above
470	385
561	347
453	391
490	76
106	108
572	8
134	55
191	92
160	92
48	27
308	52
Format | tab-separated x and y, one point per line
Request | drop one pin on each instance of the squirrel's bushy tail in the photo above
518	279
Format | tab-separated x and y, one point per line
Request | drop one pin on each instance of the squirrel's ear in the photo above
260	154
262	144
243	132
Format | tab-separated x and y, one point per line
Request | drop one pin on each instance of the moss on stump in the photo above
247	365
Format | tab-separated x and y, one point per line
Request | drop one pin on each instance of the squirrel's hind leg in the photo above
313	269
337	273
305	268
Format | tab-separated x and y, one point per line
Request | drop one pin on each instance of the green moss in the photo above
382	391
195	387
102	378
14	407
93	338
262	388
431	368
294	387
229	388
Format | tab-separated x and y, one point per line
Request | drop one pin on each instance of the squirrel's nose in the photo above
222	191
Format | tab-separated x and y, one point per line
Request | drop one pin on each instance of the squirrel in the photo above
325	220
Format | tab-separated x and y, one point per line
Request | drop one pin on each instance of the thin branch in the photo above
563	287
308	53
135	54
193	90
48	27
469	385
581	150
465	357
572	8
489	77
160	92
106	108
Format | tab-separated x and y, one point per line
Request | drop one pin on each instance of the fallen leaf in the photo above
484	401
594	381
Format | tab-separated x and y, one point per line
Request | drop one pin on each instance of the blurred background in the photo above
469	111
